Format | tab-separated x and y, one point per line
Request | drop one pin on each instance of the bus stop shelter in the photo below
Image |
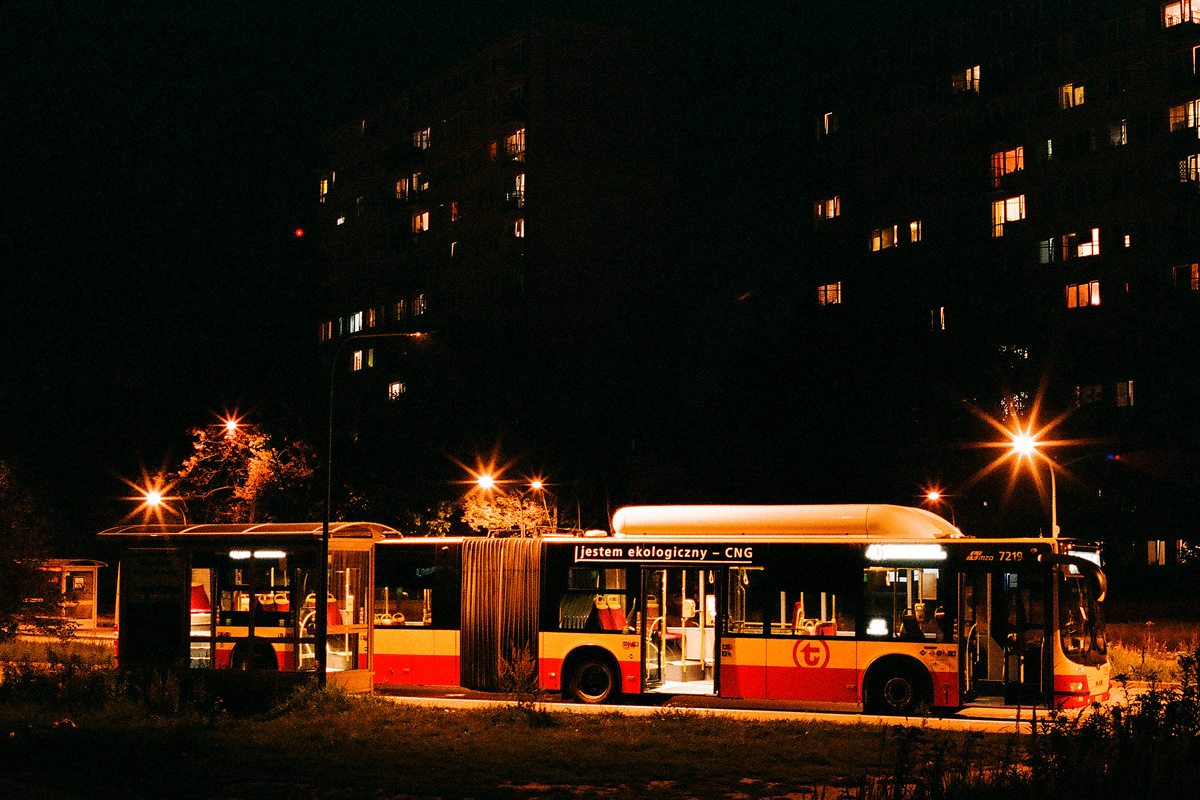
244	597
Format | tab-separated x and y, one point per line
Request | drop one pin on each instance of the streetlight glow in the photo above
486	482
1023	444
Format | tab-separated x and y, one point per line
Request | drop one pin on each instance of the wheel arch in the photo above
590	652
895	663
257	652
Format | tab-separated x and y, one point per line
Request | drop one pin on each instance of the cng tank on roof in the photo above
883	521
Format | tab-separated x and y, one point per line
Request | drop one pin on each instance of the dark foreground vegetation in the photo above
75	728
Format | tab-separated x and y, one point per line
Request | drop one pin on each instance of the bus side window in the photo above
901	603
744	600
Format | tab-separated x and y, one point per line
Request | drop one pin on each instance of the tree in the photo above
29	597
497	511
235	474
434	521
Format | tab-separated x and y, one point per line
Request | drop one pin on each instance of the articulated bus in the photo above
879	608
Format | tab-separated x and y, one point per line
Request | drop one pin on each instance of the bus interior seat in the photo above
910	629
612	616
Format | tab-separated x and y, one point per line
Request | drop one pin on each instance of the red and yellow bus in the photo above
865	607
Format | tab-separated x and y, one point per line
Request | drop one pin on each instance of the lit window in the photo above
453	249
327	329
1083	294
324	189
519	229
420	222
914	230
967	80
883	238
356	360
830	123
827	208
829	294
1125	394
514	146
421	139
1070	95
1089	248
937	319
516	195
1180	12
1184	116
1187	277
1189	169
454	211
401	309
1128	243
1006	162
493	151
370	317
371	357
356	321
403	188
395	389
419	305
1009	209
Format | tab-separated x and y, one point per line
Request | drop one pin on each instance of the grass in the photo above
70	727
334	745
1145	642
88	653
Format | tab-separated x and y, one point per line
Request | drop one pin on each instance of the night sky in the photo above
158	161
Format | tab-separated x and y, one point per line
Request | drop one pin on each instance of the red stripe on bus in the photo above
420	670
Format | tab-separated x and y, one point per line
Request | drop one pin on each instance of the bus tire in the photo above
898	689
592	681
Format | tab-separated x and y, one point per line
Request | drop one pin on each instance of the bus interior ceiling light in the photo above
906	552
244	554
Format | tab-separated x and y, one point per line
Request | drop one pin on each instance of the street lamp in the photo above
323	565
937	497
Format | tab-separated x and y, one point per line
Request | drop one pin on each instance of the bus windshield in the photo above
1080	621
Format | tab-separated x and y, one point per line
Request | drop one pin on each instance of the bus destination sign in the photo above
680	553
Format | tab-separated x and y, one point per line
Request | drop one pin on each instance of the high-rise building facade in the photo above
1005	209
517	209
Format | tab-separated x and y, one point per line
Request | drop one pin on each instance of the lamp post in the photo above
1025	445
323	559
937	497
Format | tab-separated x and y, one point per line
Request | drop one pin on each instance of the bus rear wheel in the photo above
896	691
592	681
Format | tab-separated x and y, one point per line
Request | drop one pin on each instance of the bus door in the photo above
1003	637
679	607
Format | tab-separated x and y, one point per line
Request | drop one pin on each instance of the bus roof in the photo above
871	521
339	529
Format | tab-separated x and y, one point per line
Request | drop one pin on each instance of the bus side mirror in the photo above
1085	567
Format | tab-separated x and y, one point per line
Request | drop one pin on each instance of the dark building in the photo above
1005	211
518	209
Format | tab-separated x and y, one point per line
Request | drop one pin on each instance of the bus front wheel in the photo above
592	681
897	690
